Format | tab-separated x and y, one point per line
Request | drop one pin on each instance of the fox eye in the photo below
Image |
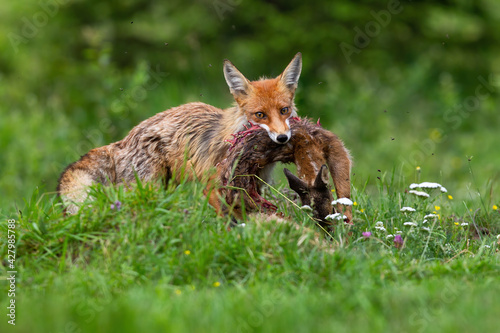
260	115
284	110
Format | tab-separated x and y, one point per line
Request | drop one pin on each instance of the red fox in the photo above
192	136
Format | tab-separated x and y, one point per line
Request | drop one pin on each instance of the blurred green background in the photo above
404	84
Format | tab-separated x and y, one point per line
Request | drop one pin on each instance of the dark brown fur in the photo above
310	148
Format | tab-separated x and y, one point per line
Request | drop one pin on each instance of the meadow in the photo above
162	260
418	103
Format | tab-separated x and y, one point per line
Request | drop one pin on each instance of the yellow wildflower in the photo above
418	168
495	207
450	197
178	292
456	223
437	208
435	135
362	210
355	203
187	252
216	284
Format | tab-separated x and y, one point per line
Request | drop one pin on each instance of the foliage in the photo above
80	74
414	99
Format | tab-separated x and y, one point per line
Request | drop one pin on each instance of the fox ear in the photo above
291	74
237	82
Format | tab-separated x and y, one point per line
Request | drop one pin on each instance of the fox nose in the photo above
282	138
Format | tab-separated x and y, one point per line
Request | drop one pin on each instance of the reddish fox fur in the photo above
313	149
194	135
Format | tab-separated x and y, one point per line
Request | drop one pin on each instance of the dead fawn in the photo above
312	149
159	146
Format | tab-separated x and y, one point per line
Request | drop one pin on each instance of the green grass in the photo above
85	81
165	262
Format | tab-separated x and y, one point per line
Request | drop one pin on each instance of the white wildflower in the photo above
429	185
343	201
407	209
399	232
336	216
428	216
419	193
486	246
498	236
424	221
413	224
241	225
389	236
306	208
464	224
426	229
379	224
380	229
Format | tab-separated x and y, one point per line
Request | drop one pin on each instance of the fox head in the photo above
267	103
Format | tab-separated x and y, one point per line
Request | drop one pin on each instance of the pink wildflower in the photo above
398	241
